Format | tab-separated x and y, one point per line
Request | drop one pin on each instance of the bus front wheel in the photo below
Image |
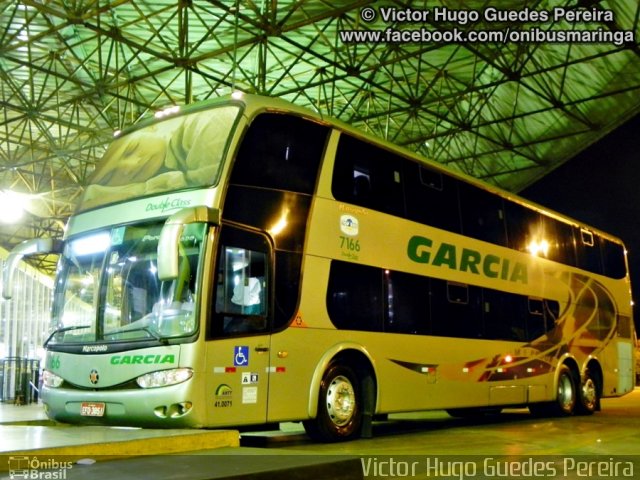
567	392
339	406
566	397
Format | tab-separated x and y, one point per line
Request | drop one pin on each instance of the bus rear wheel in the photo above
588	396
339	406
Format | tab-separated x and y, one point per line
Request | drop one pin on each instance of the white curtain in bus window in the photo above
241	290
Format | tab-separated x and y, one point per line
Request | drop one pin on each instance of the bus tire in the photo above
339	414
588	394
566	394
566	397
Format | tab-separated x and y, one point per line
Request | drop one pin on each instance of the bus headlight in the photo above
51	380
164	378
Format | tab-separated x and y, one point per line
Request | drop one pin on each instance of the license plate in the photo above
92	409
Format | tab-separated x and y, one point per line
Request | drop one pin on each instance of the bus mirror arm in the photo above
168	253
26	248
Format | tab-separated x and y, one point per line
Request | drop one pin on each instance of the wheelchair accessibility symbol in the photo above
240	356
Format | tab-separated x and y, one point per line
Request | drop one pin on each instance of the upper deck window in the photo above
182	152
280	152
368	176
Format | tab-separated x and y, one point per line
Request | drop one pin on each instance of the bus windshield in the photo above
108	288
180	152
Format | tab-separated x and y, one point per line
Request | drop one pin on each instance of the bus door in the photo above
238	353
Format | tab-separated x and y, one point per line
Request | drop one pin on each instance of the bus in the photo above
245	261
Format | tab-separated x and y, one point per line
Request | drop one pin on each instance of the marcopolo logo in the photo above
94	348
425	250
167	204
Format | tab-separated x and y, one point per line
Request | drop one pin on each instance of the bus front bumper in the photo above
174	406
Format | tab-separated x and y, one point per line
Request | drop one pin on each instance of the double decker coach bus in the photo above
246	261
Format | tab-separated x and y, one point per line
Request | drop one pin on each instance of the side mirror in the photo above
168	253
26	248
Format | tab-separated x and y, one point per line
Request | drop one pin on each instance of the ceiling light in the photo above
12	206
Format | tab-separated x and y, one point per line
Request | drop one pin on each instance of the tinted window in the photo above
499	311
561	242
508	316
241	206
455	309
407	303
482	215
367	298
432	198
536	324
368	176
613	259
360	297
287	285
587	250
354	296
524	226
281	152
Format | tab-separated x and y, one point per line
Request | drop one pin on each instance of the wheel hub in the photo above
589	392
341	400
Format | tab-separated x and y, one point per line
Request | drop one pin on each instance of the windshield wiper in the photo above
154	334
62	330
144	328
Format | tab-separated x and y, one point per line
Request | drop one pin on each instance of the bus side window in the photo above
536	318
524	226
499	309
588	250
482	214
431	197
613	260
281	152
561	244
368	176
354	297
406	303
361	185
455	309
242	285
551	313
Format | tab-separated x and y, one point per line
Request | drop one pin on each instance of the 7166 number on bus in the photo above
350	244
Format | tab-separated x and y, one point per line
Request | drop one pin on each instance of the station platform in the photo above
30	442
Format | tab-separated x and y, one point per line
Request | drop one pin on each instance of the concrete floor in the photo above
613	431
597	446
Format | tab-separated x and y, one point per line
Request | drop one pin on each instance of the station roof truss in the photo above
506	111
